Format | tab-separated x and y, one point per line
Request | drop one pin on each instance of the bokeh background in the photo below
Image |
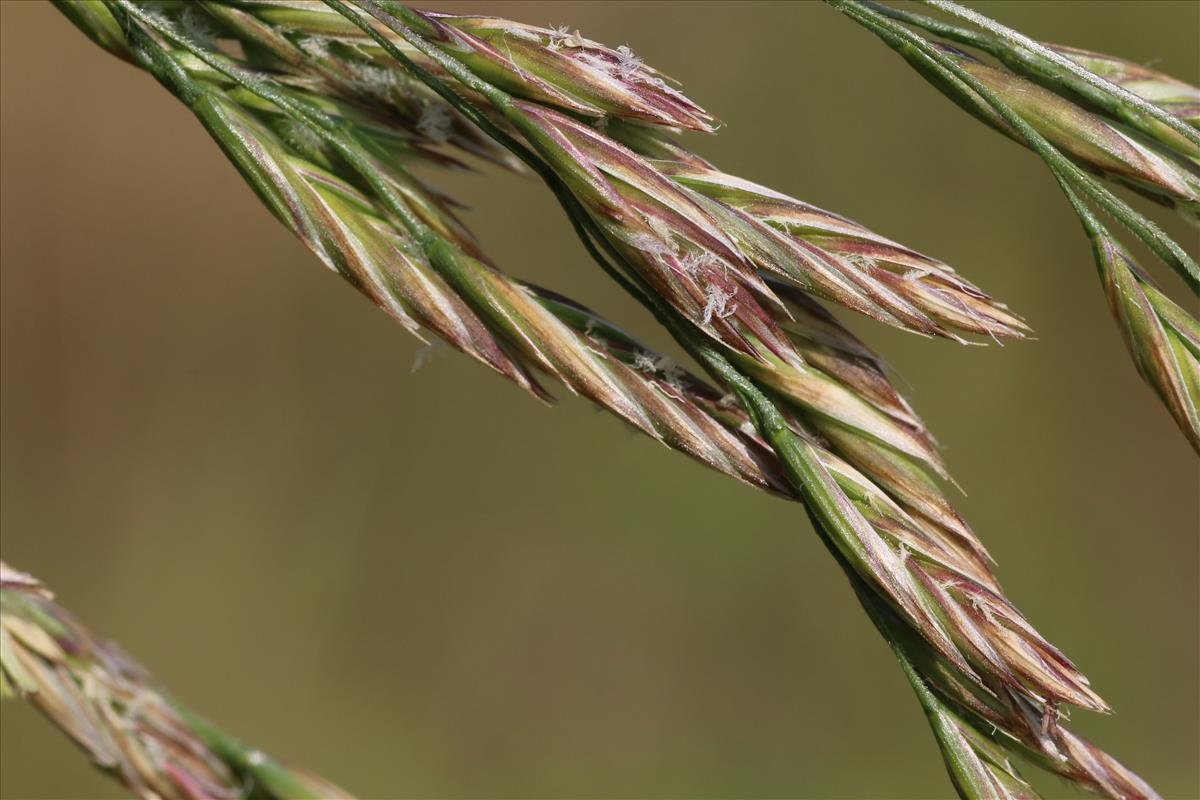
428	585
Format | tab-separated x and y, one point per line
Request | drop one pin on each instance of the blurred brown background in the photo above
426	584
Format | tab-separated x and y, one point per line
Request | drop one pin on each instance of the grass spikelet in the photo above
117	714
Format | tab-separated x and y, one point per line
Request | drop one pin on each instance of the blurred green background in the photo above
428	585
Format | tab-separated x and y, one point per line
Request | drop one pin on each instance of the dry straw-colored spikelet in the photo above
324	107
115	711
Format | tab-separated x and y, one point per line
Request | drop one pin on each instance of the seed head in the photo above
1088	138
680	248
840	260
565	70
114	710
1162	337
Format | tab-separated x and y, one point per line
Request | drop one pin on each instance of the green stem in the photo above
960	761
280	781
954	33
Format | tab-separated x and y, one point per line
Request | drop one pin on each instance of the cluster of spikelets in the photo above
1086	114
325	107
120	717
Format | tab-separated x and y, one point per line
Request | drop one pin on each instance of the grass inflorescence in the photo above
325	108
